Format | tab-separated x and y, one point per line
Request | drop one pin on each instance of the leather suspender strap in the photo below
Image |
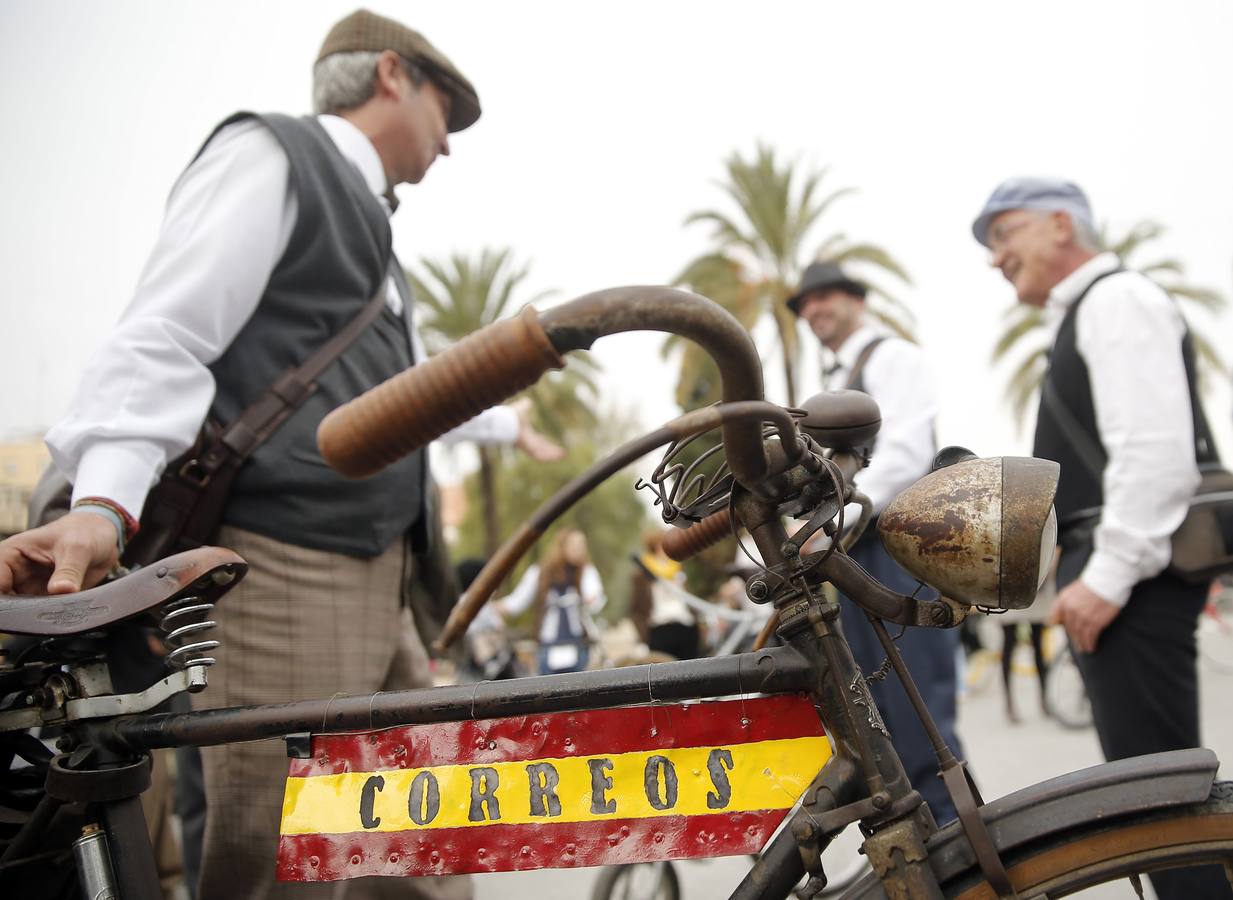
263	417
858	365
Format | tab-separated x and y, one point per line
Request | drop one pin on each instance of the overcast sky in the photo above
604	126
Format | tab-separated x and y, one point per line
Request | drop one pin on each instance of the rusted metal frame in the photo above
954	773
946	758
836	667
865	774
577	325
849	577
782	862
698	421
855	729
778	670
898	856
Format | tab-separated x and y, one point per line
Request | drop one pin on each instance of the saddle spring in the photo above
184	622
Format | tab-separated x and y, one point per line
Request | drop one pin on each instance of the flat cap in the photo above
1048	194
364	30
823	276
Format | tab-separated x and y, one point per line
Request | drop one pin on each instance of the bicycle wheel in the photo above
1065	692
1099	851
638	881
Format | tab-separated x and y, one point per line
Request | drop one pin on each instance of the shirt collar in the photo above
358	150
846	355
1066	291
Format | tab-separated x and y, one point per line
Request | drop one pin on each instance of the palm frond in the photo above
1024	383
1025	320
874	255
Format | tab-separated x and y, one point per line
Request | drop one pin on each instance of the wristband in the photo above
126	525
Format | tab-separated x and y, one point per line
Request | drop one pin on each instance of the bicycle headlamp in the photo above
981	531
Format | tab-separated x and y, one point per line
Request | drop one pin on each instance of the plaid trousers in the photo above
302	625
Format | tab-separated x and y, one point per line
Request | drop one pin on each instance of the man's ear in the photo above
390	75
1063	227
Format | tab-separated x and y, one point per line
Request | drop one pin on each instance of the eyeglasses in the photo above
999	235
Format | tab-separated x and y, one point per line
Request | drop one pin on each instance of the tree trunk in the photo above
789	377
488	494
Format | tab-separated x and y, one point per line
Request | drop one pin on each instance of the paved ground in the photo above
1004	757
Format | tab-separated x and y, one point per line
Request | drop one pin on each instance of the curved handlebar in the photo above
681	544
422	403
414	407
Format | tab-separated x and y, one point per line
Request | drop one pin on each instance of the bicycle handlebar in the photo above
411	409
422	403
682	543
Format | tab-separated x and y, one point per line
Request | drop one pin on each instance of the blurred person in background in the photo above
566	591
487	651
1035	619
1121	378
664	621
894	372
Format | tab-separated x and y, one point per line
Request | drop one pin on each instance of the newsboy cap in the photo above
824	276
364	30
1048	194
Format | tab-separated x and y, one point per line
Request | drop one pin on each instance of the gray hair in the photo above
1085	236
344	81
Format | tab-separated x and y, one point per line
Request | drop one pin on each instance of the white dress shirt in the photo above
147	389
898	377
578	615
1129	331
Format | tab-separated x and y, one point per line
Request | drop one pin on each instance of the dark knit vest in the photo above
338	255
1080	493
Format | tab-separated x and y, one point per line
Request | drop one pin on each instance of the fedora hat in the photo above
825	276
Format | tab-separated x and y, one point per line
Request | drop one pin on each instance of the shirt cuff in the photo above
122	473
1109	577
497	425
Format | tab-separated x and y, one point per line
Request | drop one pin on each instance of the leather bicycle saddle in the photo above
208	572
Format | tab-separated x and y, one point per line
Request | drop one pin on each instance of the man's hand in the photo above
1084	613
530	441
62	557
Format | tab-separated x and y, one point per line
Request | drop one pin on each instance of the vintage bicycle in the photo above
674	760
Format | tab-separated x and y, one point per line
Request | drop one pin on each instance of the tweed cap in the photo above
1045	194
364	30
823	276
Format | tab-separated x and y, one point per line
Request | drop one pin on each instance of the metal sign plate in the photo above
597	787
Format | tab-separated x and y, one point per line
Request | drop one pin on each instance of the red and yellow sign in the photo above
597	787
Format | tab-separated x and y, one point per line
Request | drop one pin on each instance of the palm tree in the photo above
461	296
1025	325
759	253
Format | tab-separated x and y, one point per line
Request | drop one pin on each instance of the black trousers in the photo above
930	657
1143	681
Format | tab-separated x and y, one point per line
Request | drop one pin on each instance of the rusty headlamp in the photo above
981	531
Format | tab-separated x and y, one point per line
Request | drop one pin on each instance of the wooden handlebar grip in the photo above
682	543
418	405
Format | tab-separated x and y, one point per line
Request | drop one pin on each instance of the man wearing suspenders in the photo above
894	372
1121	379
